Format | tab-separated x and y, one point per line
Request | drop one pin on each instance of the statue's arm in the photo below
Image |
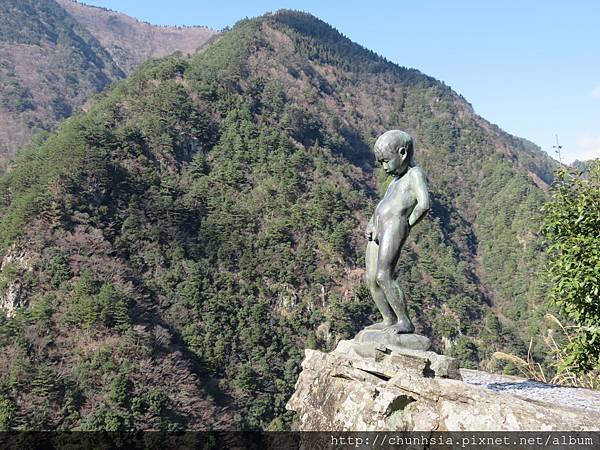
421	192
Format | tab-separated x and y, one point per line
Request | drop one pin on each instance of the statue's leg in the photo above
389	317
390	244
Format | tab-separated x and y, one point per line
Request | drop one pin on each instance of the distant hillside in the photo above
583	166
53	60
50	66
131	42
169	254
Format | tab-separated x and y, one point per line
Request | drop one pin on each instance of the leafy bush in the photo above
572	229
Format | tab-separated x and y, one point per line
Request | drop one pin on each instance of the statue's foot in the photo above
381	325
402	327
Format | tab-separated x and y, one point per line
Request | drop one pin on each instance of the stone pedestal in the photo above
385	360
394	341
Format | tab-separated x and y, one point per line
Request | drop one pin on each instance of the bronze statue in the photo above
404	204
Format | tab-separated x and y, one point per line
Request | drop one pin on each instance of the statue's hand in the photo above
370	232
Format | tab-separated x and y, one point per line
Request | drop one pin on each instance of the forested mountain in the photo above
53	58
170	253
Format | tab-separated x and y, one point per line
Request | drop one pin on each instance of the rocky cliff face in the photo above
346	390
15	266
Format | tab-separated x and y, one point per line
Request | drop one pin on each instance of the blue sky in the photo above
533	68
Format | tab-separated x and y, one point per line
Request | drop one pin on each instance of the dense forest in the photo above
168	254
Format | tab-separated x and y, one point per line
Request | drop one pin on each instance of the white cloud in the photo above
596	92
588	147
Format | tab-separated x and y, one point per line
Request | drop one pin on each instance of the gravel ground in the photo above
534	390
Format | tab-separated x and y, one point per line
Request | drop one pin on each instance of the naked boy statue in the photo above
403	205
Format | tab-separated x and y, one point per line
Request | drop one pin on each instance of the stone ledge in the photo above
346	391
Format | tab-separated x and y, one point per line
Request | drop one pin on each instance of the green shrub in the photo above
572	229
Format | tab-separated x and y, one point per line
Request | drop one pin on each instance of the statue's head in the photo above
394	151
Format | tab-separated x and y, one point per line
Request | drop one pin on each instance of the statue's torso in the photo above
397	203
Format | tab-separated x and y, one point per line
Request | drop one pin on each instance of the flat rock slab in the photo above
410	340
568	397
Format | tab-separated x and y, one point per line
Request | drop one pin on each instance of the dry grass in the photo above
528	368
565	375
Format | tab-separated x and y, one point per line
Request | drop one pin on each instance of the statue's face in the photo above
395	162
394	151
